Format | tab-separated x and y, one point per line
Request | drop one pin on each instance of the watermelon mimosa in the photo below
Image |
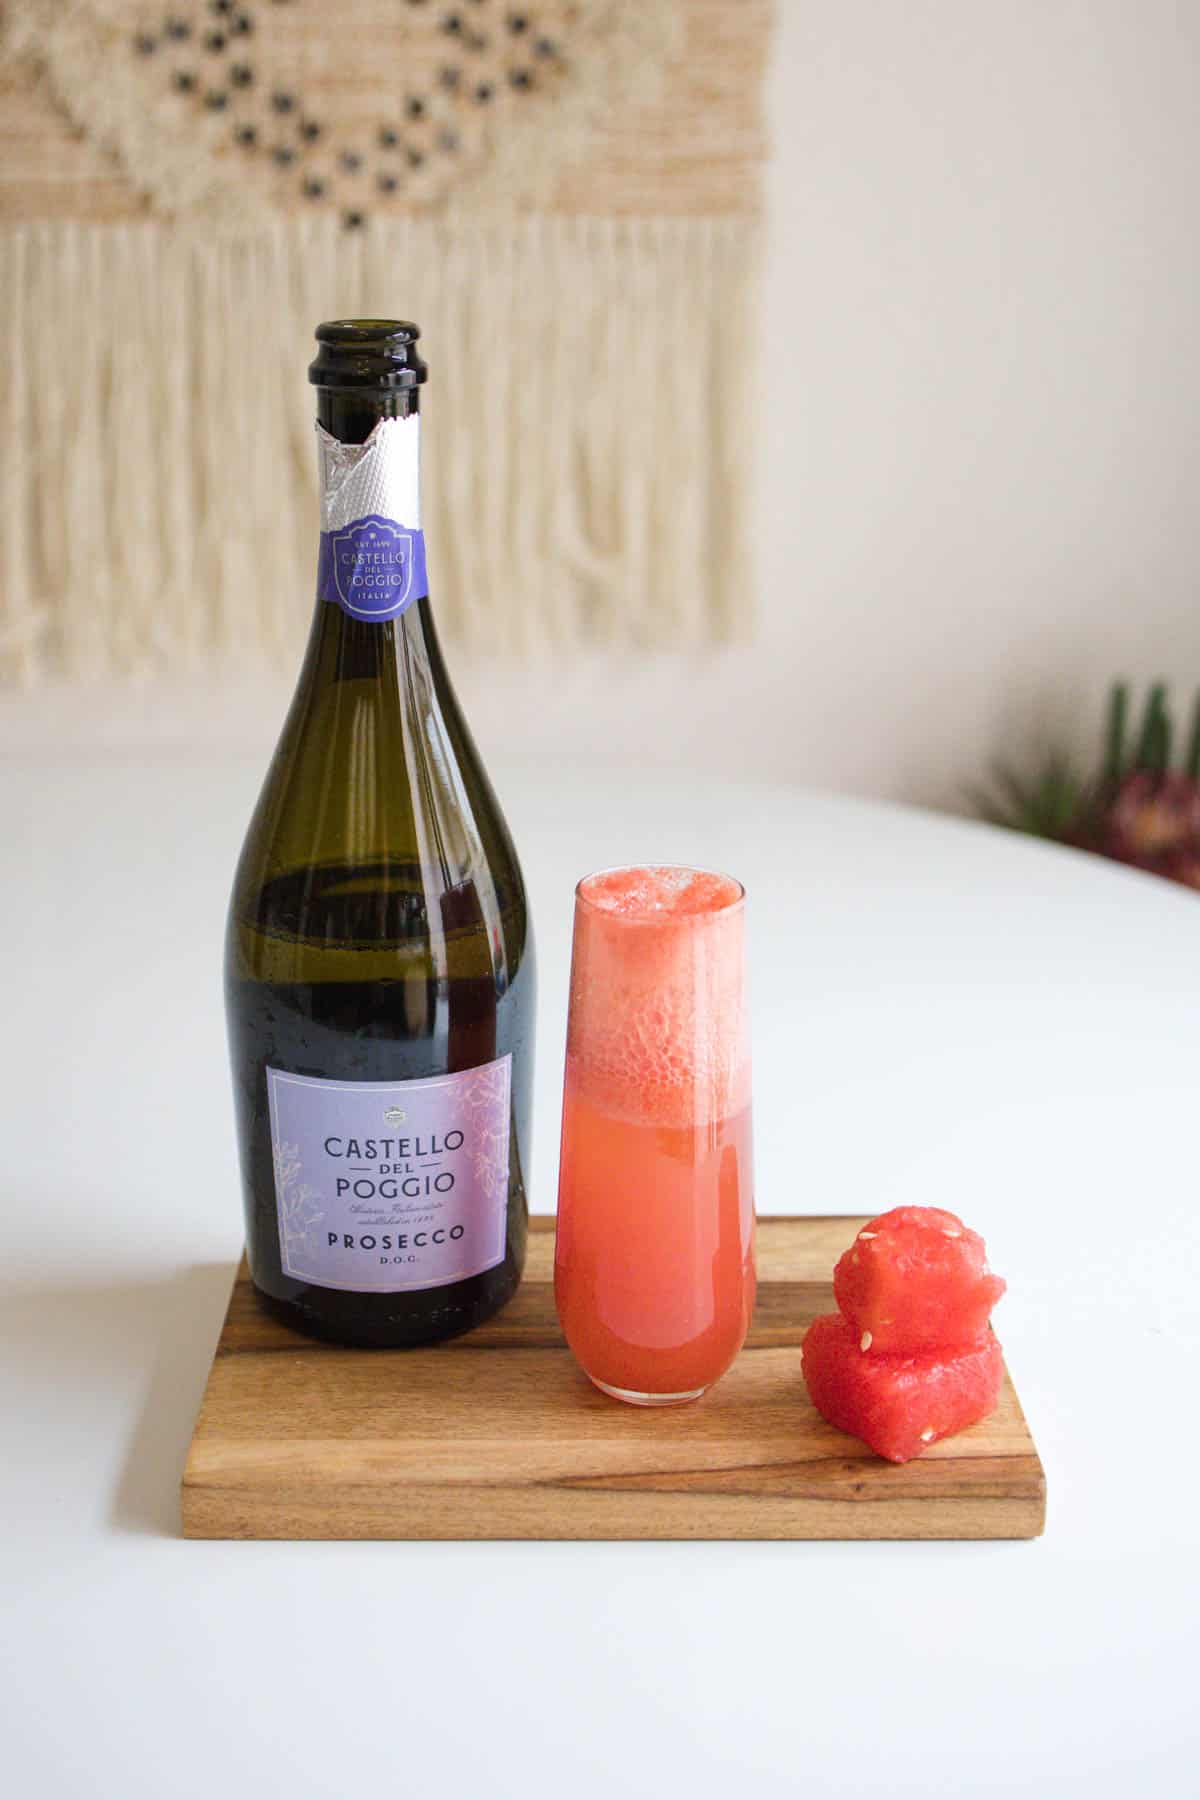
654	1257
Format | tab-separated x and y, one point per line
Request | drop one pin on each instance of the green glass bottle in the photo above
379	962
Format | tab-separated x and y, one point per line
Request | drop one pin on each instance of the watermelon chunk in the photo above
899	1405
916	1279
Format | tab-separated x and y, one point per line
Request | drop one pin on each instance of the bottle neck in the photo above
372	553
351	414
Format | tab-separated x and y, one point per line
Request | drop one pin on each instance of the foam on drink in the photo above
649	894
657	995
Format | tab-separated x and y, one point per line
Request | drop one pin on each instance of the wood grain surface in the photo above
500	1435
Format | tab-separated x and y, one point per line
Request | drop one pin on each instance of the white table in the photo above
942	1014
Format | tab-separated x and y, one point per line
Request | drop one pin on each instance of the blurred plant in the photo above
1046	803
1137	808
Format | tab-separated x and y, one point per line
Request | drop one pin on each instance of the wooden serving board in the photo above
500	1435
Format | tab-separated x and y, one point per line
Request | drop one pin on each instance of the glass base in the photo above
633	1398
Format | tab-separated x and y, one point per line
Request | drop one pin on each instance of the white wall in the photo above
980	425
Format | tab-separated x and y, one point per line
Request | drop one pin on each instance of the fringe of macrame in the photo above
586	436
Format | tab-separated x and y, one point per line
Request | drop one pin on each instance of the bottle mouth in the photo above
367	353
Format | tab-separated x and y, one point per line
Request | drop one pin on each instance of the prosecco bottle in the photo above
379	962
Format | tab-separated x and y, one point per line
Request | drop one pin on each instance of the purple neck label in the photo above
372	568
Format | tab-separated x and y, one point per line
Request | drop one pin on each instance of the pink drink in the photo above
654	1259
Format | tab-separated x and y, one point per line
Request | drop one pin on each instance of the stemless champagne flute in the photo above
654	1255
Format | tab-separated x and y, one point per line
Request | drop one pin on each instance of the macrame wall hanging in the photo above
565	196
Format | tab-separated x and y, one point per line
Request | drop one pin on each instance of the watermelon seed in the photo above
927	1435
946	1233
864	1342
863	1234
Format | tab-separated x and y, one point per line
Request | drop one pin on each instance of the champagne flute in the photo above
654	1255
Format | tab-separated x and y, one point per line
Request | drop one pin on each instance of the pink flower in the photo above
1185	867
1154	818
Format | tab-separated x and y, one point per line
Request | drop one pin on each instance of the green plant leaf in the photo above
1114	735
1192	764
1154	741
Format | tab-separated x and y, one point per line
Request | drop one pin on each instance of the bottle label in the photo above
372	557
372	568
387	1185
